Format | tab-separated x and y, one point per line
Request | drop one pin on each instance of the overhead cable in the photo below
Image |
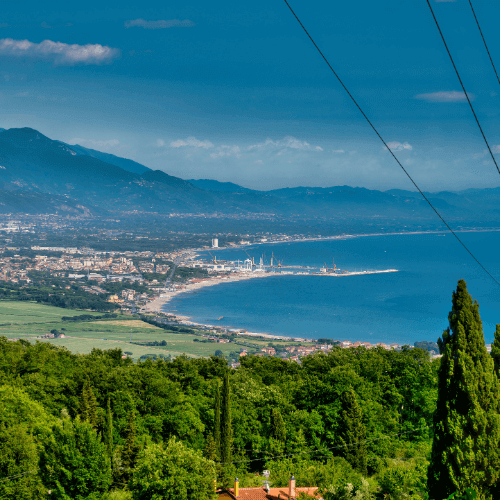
484	41
389	149
463	88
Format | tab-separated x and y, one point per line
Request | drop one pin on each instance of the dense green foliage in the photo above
465	450
274	414
184	273
353	432
57	296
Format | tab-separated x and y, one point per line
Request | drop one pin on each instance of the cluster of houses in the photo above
86	263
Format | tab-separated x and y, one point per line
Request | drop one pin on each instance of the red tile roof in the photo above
262	494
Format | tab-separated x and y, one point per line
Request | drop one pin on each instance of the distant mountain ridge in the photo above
223	187
75	179
129	165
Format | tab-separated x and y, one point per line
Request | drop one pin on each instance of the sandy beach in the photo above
156	305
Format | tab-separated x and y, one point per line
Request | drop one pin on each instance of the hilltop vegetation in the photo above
357	423
172	404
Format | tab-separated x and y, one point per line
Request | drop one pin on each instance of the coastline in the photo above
348	236
166	297
156	306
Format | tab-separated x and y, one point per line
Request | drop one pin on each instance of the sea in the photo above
403	307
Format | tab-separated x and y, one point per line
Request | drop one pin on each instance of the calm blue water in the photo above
402	307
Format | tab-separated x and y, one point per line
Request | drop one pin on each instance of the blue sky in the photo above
235	92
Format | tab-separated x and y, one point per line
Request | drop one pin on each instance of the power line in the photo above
463	88
484	41
21	474
322	450
390	151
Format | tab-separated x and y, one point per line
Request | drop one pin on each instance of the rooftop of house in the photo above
261	493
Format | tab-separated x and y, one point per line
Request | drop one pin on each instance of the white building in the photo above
215	242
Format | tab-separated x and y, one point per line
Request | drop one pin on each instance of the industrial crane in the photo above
251	258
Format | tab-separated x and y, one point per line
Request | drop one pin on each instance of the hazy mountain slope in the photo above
32	163
126	164
226	187
14	202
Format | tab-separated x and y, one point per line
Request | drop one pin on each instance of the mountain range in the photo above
41	175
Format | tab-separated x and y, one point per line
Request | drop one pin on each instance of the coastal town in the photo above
149	280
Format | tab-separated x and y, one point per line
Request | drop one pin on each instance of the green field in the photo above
30	320
31	312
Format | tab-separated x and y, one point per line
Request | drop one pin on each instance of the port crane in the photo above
251	258
272	260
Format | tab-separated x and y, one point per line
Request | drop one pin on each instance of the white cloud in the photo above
192	142
287	142
445	96
160	143
398	146
60	53
495	149
227	151
338	151
4	25
161	24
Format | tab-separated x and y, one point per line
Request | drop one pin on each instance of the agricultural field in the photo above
30	320
30	312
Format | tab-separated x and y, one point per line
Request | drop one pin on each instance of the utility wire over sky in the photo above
461	83
389	149
484	41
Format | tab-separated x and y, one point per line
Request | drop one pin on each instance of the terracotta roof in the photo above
262	494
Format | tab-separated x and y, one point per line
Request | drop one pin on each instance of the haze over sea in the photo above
403	307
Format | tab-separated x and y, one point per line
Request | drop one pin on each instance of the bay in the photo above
403	307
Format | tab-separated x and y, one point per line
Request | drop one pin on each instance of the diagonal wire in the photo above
461	83
484	41
389	149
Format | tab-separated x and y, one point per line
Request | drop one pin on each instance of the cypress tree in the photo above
217	423
495	351
278	429
226	429
129	450
108	431
210	449
353	432
88	405
466	422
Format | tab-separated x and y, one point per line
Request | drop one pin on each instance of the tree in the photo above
353	432
495	351
278	430
108	431
210	449
173	472
217	428
88	405
466	422
74	464
19	464
278	433
226	426
130	449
